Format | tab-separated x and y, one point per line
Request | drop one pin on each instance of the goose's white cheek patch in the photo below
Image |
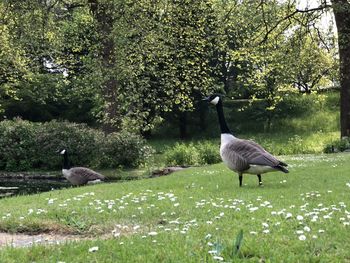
215	101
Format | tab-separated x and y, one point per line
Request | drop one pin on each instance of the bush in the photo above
182	154
208	153
192	154
17	145
81	142
337	146
25	145
125	149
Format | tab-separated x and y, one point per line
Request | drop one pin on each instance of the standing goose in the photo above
243	156
79	175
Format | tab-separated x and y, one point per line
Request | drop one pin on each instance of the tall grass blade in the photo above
238	242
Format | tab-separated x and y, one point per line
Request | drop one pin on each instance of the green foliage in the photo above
87	61
192	154
25	145
81	142
125	149
208	152
17	145
238	243
337	146
182	154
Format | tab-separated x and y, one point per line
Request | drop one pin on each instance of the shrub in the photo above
125	149
337	146
17	144
182	154
25	145
208	153
192	154
81	142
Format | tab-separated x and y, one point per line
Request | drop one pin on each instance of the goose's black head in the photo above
214	99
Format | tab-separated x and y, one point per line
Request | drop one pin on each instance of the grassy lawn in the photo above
194	216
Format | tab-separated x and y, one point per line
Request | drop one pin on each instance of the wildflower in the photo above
153	233
265	224
208	236
93	249
289	215
307	229
218	258
302	237
299	217
314	219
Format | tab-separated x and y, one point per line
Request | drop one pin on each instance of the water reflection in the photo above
22	186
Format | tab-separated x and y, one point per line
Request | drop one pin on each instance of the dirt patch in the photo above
167	170
56	238
22	240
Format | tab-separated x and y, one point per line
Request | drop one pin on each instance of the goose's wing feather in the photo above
253	153
86	173
234	157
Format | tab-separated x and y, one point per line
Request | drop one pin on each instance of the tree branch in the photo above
287	17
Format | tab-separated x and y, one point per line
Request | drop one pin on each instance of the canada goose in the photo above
243	156
79	175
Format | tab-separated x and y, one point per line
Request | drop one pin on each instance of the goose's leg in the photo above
259	177
240	176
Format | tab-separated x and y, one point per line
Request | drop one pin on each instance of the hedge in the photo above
27	145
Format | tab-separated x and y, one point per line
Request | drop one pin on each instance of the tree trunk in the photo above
341	9
103	13
183	125
203	110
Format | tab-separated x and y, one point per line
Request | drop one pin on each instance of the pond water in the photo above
24	186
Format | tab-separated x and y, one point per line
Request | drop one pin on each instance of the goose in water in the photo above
79	175
243	156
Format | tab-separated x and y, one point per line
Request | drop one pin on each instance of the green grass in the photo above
194	212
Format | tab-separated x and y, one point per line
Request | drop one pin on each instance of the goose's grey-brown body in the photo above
79	175
82	175
243	156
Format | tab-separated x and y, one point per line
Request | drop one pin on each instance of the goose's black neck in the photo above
223	125
65	161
